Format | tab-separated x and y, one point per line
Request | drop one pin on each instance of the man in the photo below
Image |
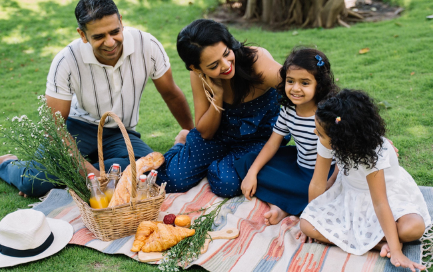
105	70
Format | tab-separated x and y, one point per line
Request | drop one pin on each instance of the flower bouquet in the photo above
47	146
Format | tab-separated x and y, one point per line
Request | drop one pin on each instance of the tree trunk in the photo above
267	11
251	9
301	13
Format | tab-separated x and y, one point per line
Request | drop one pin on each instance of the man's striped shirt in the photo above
95	88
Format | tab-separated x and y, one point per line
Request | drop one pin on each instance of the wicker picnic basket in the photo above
120	221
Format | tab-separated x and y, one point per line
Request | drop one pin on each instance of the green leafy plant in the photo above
48	147
189	248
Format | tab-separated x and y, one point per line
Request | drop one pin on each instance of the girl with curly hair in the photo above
374	203
280	175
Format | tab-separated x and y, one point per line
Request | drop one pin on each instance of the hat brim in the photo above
62	232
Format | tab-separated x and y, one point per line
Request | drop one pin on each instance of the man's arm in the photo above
64	106
175	99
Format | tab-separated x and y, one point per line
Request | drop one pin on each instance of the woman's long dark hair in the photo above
305	58
203	32
359	133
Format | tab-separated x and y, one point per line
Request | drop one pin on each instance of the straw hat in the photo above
26	236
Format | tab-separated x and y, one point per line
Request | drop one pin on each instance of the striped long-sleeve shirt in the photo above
94	88
302	130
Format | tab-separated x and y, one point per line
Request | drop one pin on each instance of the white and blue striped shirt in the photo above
302	130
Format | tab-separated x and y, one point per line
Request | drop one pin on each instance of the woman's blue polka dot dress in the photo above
244	128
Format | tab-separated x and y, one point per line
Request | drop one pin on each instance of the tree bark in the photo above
301	13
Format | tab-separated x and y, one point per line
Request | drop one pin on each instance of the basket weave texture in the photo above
120	221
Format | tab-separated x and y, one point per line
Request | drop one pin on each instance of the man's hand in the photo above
181	137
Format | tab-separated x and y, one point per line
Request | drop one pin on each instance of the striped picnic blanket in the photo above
258	247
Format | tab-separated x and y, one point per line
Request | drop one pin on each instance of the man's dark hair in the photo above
91	10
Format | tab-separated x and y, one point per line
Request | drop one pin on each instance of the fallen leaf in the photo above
395	36
364	50
10	69
412	73
384	104
13	103
37	69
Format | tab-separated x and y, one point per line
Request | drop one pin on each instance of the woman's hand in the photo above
214	87
249	185
398	259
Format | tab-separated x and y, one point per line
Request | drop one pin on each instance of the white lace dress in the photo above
345	214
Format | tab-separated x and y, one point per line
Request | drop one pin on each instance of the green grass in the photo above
33	31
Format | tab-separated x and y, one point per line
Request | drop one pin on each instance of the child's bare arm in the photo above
249	184
332	179
377	186
320	176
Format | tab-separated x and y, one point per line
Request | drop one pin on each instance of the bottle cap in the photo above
91	175
143	177
115	165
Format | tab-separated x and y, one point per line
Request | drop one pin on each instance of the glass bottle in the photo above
142	192
152	189
113	177
98	200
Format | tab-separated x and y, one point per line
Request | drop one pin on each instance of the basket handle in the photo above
128	147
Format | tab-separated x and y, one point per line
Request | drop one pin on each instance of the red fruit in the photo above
169	219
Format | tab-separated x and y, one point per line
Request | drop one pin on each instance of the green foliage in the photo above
33	31
48	147
187	250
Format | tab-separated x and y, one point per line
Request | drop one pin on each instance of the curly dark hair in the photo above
359	133
303	57
193	38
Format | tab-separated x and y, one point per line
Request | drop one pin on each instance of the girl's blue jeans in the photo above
114	149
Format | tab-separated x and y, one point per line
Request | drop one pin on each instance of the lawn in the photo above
398	69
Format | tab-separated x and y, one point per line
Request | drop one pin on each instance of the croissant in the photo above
122	193
144	230
155	237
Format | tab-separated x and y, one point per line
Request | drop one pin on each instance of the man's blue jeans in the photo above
114	149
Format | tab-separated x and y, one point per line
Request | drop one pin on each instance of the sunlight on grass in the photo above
419	131
17	36
155	134
48	51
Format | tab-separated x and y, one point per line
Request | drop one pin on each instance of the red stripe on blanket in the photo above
296	264
76	218
369	263
169	201
82	237
345	263
276	247
203	199
64	212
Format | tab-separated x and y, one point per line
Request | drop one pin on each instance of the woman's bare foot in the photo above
275	215
8	157
181	137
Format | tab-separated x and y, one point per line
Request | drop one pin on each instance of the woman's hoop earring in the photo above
209	97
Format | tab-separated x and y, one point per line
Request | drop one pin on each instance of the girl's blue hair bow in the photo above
321	62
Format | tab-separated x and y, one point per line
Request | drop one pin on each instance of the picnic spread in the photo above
258	247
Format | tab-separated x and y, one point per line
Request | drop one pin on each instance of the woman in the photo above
236	106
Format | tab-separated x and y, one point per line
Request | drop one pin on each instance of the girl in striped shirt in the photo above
280	175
